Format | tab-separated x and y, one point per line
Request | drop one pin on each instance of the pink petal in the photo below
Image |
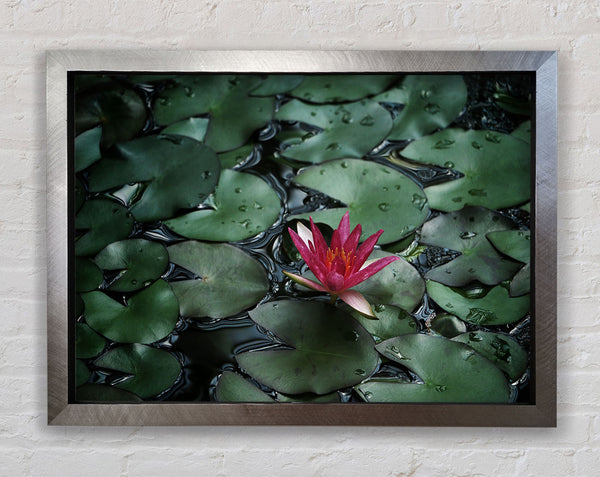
319	240
365	249
352	241
369	271
357	301
335	281
344	228
304	281
309	257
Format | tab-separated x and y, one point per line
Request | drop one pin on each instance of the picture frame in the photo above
541	412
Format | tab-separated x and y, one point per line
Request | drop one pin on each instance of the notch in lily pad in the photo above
516	244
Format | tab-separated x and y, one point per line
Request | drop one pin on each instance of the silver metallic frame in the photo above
542	412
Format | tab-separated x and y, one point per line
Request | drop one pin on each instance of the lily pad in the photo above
194	128
139	261
447	325
82	372
228	282
517	245
523	132
104	222
277	84
119	110
347	130
500	349
148	371
104	393
512	104
236	157
378	197
495	308
232	387
180	173
398	284
243	206
87	148
430	102
234	114
88	276
465	231
341	88
391	321
88	343
148	316
450	371
496	168
330	350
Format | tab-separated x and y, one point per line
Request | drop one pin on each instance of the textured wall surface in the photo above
29	27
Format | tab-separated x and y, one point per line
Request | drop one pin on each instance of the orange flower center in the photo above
347	259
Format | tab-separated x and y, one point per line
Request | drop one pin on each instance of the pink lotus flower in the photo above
341	265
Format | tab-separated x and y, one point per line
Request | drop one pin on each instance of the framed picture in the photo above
301	238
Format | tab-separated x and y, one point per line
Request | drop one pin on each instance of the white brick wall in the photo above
29	27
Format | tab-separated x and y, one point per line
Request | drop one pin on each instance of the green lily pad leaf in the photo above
377	197
83	81
277	84
526	207
517	245
236	157
228	282
496	168
104	393
149	371
398	284
79	194
514	243
88	276
82	373
194	128
500	349
430	102
149	315
521	282
495	308
234	114
150	78
234	388
120	111
447	325
140	262
87	148
78	306
523	132
330	351
103	221
244	205
341	88
348	130
391	321
309	397
465	231
512	104
180	172
450	371
88	343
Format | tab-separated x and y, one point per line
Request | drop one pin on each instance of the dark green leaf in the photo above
88	276
180	173
341	88
244	205
391	321
139	261
447	325
104	393
87	148
104	221
234	388
82	373
236	157
149	371
330	349
465	231
378	197
88	343
228	282
277	84
149	315
194	128
495	308
348	130
450	371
